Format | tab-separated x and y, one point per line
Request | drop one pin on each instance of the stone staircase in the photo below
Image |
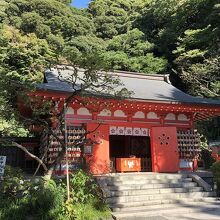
131	193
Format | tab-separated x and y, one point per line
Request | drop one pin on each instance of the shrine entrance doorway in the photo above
134	147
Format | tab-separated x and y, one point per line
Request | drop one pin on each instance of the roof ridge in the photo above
143	76
138	73
129	74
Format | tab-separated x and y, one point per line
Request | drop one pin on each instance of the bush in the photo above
46	200
207	158
21	199
86	200
216	172
83	187
13	210
14	184
13	191
92	210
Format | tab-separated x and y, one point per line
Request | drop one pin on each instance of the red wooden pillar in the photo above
98	162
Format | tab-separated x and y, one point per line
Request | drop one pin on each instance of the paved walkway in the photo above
210	215
199	211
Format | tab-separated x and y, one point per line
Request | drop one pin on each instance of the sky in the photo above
80	3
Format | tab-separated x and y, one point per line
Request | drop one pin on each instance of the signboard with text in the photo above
129	131
2	165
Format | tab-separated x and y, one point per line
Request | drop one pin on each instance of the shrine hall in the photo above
153	130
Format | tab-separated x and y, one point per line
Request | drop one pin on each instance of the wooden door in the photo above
165	156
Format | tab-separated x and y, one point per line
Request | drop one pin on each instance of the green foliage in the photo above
186	33
83	187
132	43
13	210
13	191
132	52
86	200
114	17
3	6
209	129
143	35
67	2
14	184
22	60
93	209
47	200
80	47
216	171
87	197
207	158
11	127
44	17
39	199
151	36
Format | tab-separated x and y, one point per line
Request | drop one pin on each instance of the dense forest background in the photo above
176	37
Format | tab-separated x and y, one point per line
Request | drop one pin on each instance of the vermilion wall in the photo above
164	149
165	157
98	162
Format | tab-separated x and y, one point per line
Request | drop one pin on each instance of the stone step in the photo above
144	192
153	191
188	207
142	174
150	186
140	198
147	181
149	176
154	204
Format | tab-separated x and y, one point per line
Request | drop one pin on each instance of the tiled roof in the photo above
144	87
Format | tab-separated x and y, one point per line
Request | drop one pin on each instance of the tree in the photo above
48	19
197	52
152	36
22	61
186	33
67	2
81	46
133	52
112	17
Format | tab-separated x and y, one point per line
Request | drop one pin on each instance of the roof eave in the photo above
175	102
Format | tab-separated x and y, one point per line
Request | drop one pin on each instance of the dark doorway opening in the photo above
131	146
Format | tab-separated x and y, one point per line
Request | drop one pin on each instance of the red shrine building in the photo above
152	131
